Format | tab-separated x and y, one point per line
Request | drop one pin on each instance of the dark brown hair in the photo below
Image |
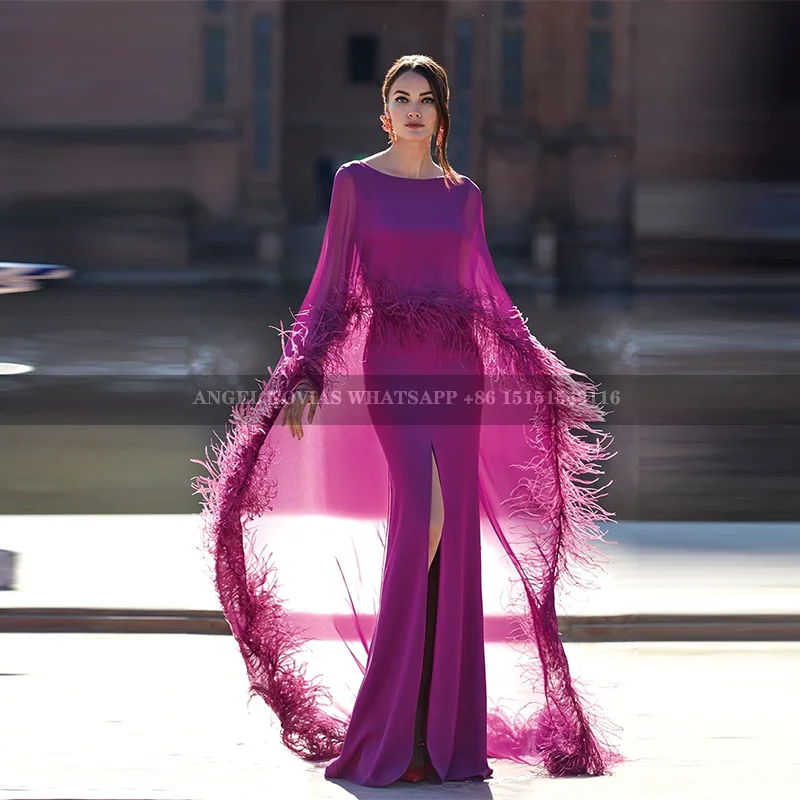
436	76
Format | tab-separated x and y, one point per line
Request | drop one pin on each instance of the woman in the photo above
468	419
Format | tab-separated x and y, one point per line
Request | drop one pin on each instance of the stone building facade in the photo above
175	132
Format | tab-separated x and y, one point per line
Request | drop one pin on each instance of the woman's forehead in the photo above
412	83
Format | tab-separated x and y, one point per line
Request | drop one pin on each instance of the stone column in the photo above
595	226
466	42
512	172
595	237
262	43
510	161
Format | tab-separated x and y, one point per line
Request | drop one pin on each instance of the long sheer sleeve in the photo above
482	275
519	359
310	346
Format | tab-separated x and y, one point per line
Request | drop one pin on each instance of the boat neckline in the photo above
399	177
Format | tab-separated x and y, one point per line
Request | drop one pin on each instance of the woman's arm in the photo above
483	277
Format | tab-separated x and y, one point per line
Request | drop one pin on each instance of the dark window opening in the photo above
513	42
599	88
361	59
215	57
600	9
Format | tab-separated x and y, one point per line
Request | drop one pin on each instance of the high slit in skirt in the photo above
452	679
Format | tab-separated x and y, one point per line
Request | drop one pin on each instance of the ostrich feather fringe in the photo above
555	508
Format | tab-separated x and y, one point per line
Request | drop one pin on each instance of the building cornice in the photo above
118	134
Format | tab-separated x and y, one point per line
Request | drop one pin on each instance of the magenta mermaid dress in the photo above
405	302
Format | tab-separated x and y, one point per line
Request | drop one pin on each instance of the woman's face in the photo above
412	108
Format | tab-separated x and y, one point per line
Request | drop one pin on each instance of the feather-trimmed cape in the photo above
291	524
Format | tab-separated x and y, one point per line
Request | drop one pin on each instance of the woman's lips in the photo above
414	125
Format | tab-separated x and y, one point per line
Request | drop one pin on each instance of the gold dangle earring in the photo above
386	125
438	143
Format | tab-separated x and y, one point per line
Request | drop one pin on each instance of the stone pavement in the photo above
664	581
110	717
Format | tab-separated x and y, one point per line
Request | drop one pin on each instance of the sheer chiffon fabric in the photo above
405	302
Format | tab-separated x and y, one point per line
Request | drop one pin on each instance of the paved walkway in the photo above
683	578
123	717
155	561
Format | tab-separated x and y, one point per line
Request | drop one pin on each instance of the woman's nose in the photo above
414	114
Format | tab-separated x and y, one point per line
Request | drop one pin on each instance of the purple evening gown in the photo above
405	298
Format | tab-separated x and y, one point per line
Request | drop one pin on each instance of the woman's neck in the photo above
413	162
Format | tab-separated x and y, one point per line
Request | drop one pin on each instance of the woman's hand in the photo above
302	395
